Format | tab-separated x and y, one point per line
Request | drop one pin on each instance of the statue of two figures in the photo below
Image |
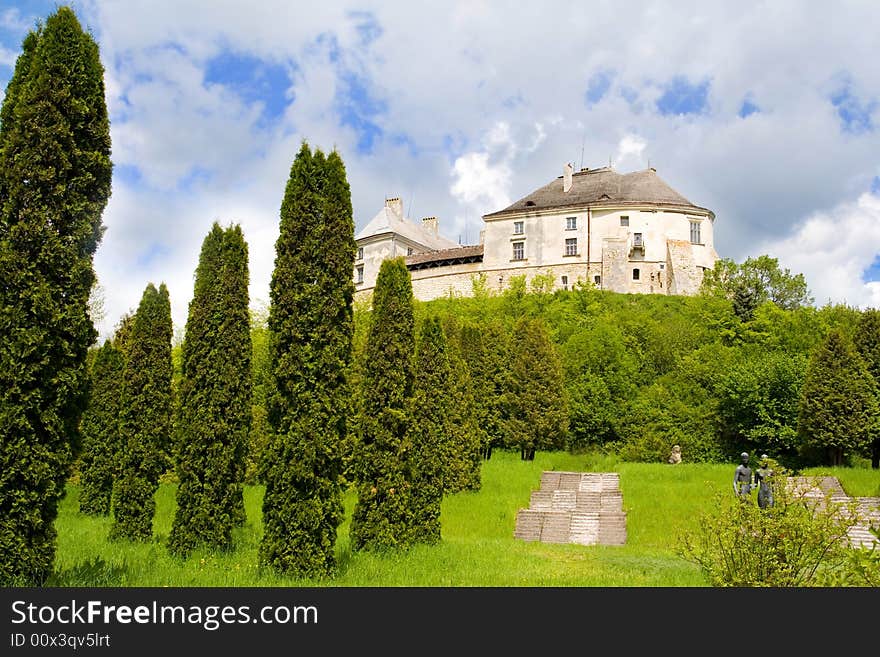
744	480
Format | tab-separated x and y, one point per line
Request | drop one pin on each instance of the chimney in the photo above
566	177
430	224
395	205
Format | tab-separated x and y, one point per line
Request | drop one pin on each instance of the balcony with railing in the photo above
636	244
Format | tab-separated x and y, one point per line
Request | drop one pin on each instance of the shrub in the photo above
797	542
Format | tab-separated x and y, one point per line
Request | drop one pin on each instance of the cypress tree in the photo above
838	404
145	417
463	449
100	430
55	175
214	397
867	342
538	414
381	517
429	437
484	349
310	327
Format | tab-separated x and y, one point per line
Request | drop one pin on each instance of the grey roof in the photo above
602	187
387	221
471	253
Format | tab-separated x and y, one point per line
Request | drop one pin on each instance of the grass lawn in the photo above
477	548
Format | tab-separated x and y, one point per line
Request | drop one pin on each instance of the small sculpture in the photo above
675	456
763	482
742	478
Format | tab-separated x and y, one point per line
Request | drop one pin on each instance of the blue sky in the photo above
767	113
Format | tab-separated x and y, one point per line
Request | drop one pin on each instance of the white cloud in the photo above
479	182
7	57
629	151
482	105
833	249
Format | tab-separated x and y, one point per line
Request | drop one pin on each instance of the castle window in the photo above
624	221
571	223
635	274
360	253
565	282
519	250
695	232
360	274
597	280
571	246
517	228
637	240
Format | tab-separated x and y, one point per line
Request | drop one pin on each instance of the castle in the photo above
621	232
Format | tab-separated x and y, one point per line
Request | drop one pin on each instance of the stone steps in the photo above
867	508
585	508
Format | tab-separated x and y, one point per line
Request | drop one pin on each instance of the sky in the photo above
767	113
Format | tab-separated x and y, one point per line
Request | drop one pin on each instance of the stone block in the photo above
556	527
528	525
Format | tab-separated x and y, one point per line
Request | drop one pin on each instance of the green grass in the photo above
857	482
477	548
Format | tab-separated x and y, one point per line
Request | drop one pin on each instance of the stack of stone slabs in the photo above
575	507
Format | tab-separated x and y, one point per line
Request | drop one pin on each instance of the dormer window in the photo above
530	204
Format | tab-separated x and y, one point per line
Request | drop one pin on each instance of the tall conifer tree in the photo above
382	517
100	430
463	449
430	433
145	417
838	404
538	413
310	327
55	174
867	341
484	349
214	399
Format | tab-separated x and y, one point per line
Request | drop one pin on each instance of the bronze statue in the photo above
762	481
742	478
